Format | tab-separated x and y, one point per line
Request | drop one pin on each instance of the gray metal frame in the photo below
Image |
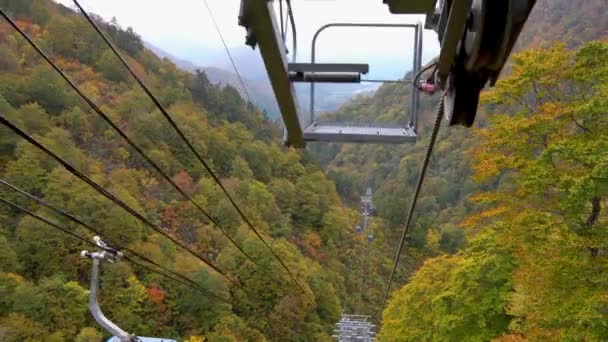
105	254
260	21
329	67
315	131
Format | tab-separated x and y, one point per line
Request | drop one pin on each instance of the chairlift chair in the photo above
476	38
261	24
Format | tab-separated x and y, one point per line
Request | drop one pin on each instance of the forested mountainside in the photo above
570	22
43	279
259	90
512	218
329	96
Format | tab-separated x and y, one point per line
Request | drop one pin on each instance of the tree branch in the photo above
579	125
520	102
592	218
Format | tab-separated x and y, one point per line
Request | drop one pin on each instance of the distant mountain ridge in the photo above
260	92
329	97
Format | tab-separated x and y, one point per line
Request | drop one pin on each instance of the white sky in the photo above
180	26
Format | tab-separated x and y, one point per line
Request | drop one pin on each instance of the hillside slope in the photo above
43	280
259	90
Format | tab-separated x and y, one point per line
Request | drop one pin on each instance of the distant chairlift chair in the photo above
261	25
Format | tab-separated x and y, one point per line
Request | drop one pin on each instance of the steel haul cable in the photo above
219	32
82	239
293	31
410	213
98	232
135	146
191	147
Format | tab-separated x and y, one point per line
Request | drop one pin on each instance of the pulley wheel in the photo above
487	34
462	97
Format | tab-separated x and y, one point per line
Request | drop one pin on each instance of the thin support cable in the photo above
88	242
112	197
293	31
219	33
100	233
282	20
189	283
410	213
137	148
52	224
189	144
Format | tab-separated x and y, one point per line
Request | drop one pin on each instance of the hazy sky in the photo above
181	26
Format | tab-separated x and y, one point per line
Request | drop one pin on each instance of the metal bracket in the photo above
106	253
326	72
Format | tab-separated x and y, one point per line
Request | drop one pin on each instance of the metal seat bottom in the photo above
359	134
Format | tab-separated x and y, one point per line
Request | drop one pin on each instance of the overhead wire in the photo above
294	38
134	146
88	242
97	231
420	180
187	141
160	171
219	32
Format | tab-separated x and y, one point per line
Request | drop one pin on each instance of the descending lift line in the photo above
98	232
408	221
155	166
86	241
192	149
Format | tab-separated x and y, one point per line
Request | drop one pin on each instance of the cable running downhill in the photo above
86	241
191	147
100	233
127	139
410	213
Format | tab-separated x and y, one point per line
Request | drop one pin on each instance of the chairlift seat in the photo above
359	134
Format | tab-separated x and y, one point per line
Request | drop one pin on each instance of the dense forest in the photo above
43	279
509	237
